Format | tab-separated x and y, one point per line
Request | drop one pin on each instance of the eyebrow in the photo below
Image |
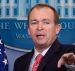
45	20
33	20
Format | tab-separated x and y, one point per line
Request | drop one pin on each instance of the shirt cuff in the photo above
70	67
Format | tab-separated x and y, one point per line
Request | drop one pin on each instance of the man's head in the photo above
43	24
39	6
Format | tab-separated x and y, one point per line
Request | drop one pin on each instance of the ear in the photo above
58	27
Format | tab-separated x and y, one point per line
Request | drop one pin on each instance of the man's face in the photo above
42	27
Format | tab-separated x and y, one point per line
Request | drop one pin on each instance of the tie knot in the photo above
39	57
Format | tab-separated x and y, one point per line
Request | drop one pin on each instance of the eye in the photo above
46	22
33	23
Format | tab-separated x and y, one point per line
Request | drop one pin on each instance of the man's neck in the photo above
40	49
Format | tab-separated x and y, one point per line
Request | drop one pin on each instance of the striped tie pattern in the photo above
37	62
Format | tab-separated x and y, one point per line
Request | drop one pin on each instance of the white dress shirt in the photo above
34	56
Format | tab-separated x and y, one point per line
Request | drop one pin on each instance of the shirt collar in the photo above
43	53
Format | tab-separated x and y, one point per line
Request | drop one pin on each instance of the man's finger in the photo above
60	62
66	58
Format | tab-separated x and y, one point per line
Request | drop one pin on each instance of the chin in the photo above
41	44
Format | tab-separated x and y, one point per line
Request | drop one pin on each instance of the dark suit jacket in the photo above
49	61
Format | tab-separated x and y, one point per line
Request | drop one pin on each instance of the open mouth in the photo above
40	36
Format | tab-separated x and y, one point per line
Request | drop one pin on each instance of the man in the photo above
43	27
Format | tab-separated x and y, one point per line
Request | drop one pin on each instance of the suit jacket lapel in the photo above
52	51
28	60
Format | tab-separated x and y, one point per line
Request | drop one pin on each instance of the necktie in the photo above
37	62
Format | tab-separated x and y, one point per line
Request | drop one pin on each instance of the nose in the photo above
40	26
